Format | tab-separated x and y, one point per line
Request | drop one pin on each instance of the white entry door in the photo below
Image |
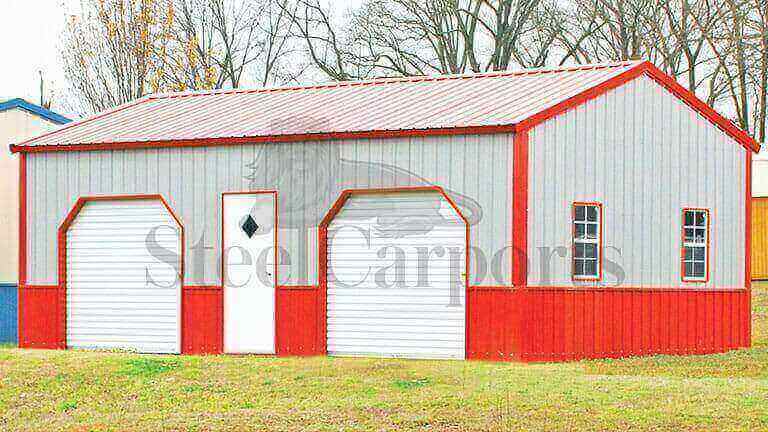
249	272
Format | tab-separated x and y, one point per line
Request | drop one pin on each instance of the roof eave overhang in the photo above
282	138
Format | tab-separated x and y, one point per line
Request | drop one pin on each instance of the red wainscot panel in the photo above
39	317
202	320
492	323
298	332
623	322
560	324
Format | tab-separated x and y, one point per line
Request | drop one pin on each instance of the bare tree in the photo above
605	30
522	32
410	37
417	37
219	42
727	44
323	45
121	49
757	26
109	52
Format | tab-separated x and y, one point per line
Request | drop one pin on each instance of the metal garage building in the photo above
552	214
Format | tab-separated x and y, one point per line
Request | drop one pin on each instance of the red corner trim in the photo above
22	272
62	241
748	249
322	233
22	219
748	223
520	209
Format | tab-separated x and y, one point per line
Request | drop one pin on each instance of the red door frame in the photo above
322	233
224	252
62	240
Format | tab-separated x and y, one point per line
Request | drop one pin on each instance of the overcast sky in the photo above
29	33
29	41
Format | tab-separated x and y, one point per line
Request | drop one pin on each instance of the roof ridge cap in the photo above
396	80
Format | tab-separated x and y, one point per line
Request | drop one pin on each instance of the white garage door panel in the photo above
110	303
366	318
423	351
384	310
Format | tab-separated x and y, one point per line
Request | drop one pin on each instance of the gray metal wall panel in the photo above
308	176
645	155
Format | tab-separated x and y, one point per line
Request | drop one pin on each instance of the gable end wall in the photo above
645	155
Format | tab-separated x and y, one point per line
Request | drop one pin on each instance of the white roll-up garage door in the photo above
123	290
396	287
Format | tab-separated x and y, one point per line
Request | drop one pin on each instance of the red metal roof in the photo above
387	107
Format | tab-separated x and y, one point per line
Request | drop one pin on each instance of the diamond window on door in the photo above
249	226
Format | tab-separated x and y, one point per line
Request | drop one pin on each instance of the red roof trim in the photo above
705	110
663	79
201	142
647	68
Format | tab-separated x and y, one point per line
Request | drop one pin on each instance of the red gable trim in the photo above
646	68
705	110
667	82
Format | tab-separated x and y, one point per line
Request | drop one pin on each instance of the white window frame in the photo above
693	243
596	239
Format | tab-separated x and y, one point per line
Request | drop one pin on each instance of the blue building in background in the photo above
19	120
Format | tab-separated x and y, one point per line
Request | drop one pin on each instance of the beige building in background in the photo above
760	175
19	120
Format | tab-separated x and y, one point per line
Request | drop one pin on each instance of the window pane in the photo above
592	231
590	268
688	218
592	213
698	269
688	269
698	254
578	268
586	233
580	210
695	237
590	250
701	218
579	228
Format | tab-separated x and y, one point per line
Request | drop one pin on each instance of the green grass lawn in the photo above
69	390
